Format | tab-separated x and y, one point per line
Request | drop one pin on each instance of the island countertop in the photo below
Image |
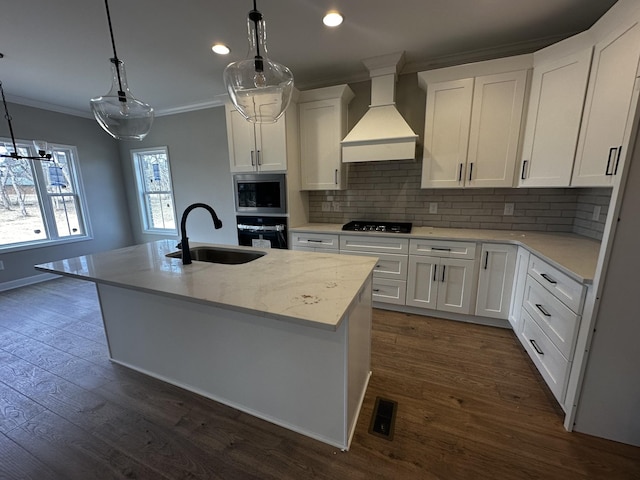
315	289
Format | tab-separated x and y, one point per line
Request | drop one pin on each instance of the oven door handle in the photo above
261	228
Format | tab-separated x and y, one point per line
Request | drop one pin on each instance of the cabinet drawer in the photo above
315	240
442	248
388	266
568	290
547	358
377	244
555	319
389	291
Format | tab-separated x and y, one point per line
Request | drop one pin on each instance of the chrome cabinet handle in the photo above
253	163
544	312
535	347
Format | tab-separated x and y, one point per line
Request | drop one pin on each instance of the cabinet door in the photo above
455	290
520	278
558	91
271	145
241	142
495	281
446	137
607	105
496	117
422	282
320	149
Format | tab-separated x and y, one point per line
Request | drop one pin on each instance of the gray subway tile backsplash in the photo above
391	191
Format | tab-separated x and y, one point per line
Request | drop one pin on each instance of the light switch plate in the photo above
508	208
433	207
596	213
326	206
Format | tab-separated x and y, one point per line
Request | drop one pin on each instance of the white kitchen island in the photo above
286	337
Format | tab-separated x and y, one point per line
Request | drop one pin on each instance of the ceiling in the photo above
56	53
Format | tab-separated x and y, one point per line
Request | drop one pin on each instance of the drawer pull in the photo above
376	290
441	249
548	278
311	240
378	266
535	347
544	312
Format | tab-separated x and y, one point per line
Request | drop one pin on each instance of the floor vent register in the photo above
384	418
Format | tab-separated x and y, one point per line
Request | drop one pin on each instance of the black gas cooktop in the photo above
373	226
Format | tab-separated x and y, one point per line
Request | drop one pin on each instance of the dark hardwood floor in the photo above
470	406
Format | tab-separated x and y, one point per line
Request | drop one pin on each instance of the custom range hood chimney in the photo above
382	133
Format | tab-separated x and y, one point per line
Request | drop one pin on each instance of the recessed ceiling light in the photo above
220	49
332	19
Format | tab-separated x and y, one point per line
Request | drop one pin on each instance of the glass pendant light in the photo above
118	112
259	88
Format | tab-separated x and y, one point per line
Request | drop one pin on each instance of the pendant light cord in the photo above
121	95
255	16
8	118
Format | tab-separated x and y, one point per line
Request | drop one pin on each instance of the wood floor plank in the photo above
470	406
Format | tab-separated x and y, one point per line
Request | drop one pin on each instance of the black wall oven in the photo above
260	194
262	232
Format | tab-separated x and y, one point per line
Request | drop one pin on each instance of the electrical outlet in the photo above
508	208
326	206
329	198
596	213
336	206
433	207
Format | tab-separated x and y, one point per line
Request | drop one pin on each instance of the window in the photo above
155	191
40	201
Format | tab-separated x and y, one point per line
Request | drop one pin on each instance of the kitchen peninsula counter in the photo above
575	255
285	337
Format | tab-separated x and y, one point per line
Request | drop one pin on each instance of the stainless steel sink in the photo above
226	256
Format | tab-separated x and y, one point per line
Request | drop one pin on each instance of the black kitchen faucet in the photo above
184	241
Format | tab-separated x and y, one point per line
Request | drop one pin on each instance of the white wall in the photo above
199	157
101	172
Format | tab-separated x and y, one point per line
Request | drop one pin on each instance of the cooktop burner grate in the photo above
373	226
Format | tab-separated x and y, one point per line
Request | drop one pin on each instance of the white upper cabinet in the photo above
323	125
558	89
256	147
607	106
472	123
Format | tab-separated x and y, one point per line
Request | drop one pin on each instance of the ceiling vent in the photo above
382	133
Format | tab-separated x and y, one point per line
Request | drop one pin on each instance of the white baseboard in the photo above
23	282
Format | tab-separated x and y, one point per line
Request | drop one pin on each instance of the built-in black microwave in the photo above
260	193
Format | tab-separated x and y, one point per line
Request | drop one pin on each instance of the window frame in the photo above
142	192
44	198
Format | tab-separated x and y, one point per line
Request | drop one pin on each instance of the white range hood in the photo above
382	133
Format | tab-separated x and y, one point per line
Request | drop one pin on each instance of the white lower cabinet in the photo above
439	282
390	273
550	315
315	242
519	280
495	280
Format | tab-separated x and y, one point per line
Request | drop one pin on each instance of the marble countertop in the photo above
316	289
575	255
